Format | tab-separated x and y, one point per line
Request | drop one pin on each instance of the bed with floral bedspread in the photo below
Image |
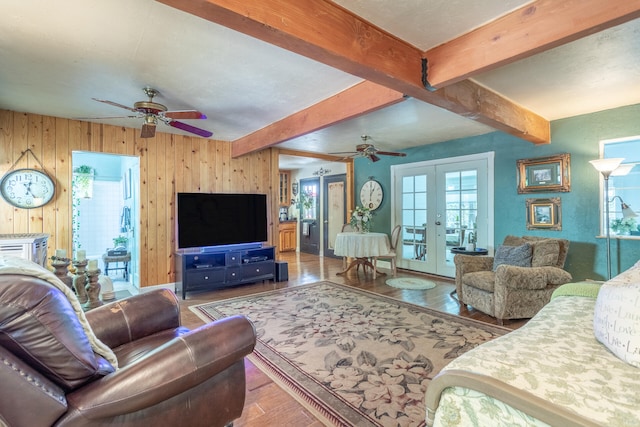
552	371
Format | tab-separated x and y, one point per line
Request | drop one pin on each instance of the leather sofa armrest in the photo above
168	371
124	321
28	398
514	277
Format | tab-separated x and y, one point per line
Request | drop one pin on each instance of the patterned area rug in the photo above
351	356
411	283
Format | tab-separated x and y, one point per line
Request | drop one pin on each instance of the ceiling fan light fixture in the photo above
149	126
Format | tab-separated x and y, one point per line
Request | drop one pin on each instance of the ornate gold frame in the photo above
548	174
544	214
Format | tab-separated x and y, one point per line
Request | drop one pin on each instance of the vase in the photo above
363	227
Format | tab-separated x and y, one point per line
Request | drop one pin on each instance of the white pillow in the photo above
616	321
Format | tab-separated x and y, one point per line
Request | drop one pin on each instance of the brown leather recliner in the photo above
167	375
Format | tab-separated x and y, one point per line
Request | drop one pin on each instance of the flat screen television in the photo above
216	219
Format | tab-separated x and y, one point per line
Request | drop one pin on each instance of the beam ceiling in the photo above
360	99
537	27
327	33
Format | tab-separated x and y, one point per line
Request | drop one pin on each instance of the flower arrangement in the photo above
361	219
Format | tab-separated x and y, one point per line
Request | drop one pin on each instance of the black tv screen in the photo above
206	219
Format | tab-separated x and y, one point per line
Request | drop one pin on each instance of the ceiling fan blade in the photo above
148	131
183	115
189	128
106	118
345	152
391	153
115	104
374	158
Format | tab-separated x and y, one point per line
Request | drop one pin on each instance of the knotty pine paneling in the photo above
168	164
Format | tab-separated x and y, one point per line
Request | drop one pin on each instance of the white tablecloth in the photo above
361	245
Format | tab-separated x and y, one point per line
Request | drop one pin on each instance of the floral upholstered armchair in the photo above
517	282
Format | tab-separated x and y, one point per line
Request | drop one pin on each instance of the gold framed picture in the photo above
548	174
544	214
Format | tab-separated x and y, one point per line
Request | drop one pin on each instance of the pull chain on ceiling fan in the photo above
152	112
368	150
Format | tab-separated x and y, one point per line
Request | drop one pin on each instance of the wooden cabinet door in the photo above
287	238
285	184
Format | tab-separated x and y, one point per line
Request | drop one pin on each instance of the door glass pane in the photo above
308	200
461	195
414	217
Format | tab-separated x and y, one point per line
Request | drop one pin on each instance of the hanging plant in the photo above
83	181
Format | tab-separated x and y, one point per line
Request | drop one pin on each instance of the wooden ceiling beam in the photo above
360	99
534	28
320	156
332	35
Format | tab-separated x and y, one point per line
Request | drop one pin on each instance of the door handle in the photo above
438	223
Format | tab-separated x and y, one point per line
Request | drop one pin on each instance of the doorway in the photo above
441	205
335	210
309	216
104	218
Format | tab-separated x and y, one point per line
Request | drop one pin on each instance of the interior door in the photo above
309	216
335	210
441	205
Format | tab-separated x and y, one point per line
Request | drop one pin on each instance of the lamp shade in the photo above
606	166
627	212
623	169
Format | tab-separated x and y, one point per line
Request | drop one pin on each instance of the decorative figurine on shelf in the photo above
93	287
60	264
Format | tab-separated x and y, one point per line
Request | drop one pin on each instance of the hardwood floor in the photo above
266	403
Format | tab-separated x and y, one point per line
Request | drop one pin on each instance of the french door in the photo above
441	205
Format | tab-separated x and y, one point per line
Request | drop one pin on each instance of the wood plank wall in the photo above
168	164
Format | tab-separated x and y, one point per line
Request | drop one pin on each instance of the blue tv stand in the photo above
220	267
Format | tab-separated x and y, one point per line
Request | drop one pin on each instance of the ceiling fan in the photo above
368	150
152	112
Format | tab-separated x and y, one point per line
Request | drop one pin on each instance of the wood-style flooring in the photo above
266	403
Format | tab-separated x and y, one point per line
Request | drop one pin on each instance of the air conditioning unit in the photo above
31	246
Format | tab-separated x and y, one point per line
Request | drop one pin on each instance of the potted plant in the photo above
623	226
120	241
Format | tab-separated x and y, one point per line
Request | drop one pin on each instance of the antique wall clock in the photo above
371	194
27	188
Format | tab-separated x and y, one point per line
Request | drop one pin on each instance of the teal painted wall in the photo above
578	136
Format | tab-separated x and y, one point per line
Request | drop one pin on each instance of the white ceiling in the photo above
56	56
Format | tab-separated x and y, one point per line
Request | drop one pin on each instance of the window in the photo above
624	185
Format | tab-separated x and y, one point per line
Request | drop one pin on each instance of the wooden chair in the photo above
348	228
391	256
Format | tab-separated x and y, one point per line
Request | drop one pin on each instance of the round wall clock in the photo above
371	194
27	188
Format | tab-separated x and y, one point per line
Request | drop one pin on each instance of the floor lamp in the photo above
606	167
